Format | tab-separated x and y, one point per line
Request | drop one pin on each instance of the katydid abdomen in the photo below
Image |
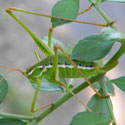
65	69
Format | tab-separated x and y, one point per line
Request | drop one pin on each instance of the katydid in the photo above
55	67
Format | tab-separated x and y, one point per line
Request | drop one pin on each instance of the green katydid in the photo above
54	67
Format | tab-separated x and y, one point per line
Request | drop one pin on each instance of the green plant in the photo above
98	109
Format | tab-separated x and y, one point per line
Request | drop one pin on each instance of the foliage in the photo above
3	89
86	53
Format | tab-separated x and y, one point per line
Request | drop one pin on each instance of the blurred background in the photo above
17	50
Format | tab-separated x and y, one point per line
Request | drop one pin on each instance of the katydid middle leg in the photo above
82	74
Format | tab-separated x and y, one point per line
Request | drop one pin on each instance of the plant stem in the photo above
102	13
64	98
14	116
108	101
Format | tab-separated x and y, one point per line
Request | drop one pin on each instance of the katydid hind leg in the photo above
43	47
59	18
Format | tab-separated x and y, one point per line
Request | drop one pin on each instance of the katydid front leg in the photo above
33	110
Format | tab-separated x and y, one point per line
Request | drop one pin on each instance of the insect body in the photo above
54	68
66	69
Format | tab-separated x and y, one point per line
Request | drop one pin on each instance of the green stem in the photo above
14	116
108	101
102	13
64	98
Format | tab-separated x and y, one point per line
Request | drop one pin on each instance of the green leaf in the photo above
120	1
89	118
69	49
97	1
47	86
113	34
3	89
98	104
70	83
96	85
6	121
53	42
109	87
92	48
119	82
66	9
32	123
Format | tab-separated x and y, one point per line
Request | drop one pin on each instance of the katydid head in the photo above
34	74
